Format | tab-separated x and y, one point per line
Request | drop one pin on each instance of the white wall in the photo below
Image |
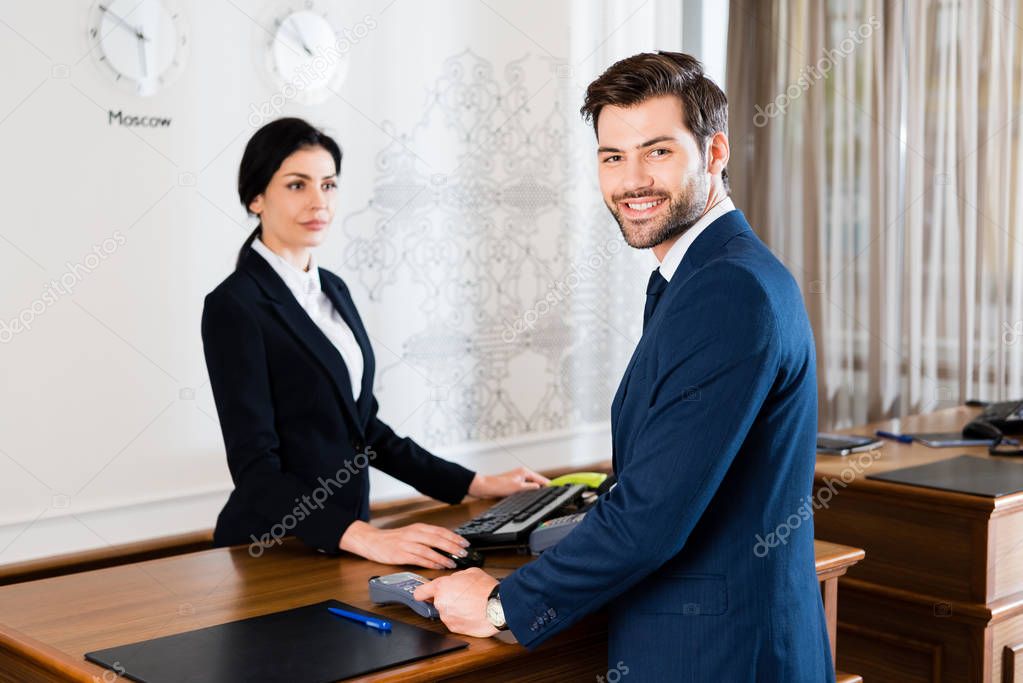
108	430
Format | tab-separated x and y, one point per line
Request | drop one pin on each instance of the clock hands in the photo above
160	44
137	32
295	32
142	56
139	36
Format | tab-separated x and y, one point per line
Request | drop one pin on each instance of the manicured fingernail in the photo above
450	564
463	553
464	542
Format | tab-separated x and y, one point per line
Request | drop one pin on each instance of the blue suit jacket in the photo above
713	428
294	433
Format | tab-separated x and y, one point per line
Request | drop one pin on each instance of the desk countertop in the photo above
854	469
53	622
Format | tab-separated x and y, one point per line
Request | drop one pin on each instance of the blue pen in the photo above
901	438
378	624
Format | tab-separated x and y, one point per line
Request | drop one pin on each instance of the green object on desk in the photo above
591	479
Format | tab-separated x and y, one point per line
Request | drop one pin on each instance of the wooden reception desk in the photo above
47	625
939	596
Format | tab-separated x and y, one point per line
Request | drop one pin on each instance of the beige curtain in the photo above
876	148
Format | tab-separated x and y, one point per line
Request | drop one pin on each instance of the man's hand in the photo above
507	483
461	599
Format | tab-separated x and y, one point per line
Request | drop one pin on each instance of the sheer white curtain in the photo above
876	149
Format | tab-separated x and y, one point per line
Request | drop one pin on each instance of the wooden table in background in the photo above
939	596
47	625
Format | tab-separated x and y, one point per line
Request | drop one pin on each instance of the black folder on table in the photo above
305	644
989	477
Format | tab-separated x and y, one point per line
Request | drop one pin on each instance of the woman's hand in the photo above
500	485
412	544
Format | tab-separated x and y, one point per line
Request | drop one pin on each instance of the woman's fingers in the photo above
435	538
425	556
442	538
409	545
529	475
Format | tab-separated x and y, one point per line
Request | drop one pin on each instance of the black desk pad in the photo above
305	644
989	477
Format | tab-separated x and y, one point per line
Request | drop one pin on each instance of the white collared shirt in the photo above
674	256
305	286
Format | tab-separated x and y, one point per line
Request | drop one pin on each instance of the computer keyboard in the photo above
1007	416
510	521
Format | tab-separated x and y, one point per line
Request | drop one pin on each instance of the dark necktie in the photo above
654	289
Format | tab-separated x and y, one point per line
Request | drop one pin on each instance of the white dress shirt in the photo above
674	256
305	286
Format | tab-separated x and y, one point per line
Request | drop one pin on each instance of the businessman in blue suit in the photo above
713	426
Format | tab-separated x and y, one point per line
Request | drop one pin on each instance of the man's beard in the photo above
685	207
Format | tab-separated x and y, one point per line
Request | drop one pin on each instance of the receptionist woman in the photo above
291	369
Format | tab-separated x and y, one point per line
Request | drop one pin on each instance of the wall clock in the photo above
142	46
304	53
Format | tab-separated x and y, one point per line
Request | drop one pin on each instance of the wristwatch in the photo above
495	611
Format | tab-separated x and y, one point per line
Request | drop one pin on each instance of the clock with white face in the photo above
141	45
304	53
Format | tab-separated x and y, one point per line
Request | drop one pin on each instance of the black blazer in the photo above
298	444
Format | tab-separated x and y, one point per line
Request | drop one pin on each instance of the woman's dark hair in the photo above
266	151
651	74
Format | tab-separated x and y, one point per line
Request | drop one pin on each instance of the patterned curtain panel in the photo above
876	146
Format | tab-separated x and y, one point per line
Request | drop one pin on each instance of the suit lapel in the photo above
306	331
617	403
619	399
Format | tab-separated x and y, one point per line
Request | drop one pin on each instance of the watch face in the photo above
495	613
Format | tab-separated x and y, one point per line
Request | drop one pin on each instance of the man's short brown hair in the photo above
652	74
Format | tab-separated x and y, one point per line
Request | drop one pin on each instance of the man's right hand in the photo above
412	544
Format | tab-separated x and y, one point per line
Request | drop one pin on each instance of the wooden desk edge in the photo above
980	504
978	613
20	654
840	557
99	558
